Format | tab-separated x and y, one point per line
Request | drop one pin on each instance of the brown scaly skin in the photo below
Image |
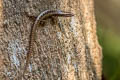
42	16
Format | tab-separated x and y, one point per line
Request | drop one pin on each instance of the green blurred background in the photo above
108	29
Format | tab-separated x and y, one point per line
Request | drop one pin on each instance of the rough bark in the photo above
71	52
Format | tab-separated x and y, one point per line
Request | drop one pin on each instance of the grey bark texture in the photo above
68	50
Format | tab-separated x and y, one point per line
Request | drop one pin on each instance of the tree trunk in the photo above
68	50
